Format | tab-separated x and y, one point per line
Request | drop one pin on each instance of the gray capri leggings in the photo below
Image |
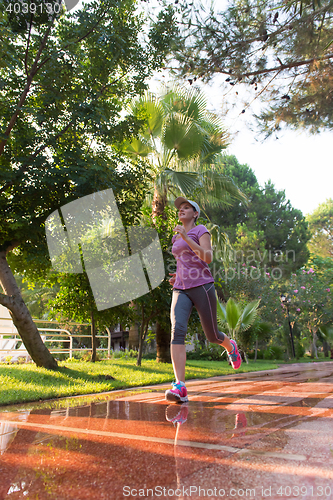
204	299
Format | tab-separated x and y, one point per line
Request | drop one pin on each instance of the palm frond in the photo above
233	313
223	250
326	331
181	134
186	182
189	103
220	189
222	313
249	315
211	148
179	140
216	139
136	148
149	109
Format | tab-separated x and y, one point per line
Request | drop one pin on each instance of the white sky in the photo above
297	163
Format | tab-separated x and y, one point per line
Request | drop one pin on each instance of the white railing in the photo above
9	341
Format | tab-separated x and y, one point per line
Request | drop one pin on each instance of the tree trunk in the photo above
93	338
314	352
256	351
159	204
202	340
22	318
143	333
326	348
162	335
139	358
163	338
134	337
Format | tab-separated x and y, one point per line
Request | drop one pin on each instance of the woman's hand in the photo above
181	230
173	279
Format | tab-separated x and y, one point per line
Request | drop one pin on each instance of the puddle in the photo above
260	433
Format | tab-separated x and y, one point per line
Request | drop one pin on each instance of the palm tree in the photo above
235	318
326	332
179	142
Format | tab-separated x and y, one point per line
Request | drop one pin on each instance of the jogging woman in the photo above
193	285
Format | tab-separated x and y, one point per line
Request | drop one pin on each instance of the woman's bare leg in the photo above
178	357
227	344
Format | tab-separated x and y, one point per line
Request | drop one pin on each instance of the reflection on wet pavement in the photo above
259	435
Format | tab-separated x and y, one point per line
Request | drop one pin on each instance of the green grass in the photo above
26	383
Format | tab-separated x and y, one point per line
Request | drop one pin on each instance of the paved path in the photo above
258	435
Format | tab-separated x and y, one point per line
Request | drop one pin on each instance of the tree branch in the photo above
27	49
77	41
263	90
24	94
39	150
5	300
287	26
22	169
13	244
34	69
281	67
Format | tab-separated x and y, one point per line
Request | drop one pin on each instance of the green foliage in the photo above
311	307
58	147
213	352
311	299
268	231
249	244
299	349
131	353
249	283
235	318
321	228
281	52
258	335
273	352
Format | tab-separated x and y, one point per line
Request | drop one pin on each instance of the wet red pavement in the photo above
258	435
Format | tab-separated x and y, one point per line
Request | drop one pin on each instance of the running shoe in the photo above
176	417
234	356
177	394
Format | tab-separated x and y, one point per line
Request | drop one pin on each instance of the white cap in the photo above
181	199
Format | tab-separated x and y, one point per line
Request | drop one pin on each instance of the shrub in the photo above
124	354
299	349
274	352
212	353
260	354
149	355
